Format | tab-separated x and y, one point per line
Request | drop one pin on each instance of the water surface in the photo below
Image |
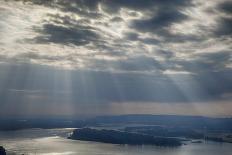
54	142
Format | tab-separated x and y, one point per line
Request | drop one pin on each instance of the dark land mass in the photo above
119	137
193	127
166	131
2	151
43	123
193	122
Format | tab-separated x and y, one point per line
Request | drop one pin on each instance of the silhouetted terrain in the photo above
194	127
118	137
45	123
191	122
2	151
166	131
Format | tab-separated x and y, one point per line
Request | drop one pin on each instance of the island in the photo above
2	151
122	137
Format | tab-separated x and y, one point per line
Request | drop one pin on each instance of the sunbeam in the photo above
129	72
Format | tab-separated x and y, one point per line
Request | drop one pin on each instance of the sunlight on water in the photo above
43	142
55	153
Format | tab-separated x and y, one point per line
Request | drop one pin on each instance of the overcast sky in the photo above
97	57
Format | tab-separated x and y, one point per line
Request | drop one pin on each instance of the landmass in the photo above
174	126
2	150
120	137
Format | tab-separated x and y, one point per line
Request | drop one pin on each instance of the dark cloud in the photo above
115	5
131	36
160	24
92	4
226	7
63	35
206	62
116	19
224	27
161	20
85	4
165	54
65	29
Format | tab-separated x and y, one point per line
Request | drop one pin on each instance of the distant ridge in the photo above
169	120
194	122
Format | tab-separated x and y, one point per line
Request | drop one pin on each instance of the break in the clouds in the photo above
115	51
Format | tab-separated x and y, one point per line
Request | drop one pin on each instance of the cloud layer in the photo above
86	34
159	51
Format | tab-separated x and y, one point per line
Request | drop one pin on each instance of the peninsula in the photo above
121	137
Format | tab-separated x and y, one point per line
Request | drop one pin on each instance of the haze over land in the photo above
104	57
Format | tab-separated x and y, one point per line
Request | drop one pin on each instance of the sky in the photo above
109	57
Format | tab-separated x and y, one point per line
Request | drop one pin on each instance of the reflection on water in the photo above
54	142
55	153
